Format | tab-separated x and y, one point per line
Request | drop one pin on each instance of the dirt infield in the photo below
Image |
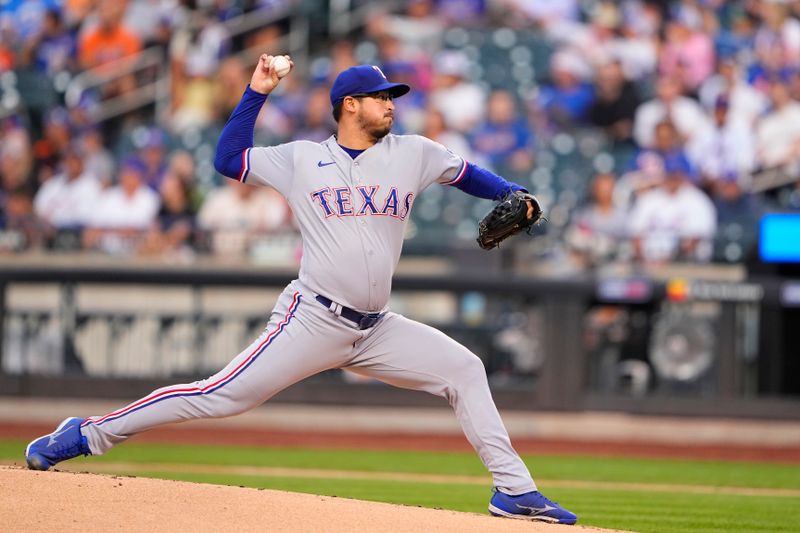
89	503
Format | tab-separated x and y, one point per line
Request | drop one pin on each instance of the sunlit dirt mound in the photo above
88	503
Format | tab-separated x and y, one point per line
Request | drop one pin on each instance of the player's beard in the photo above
376	129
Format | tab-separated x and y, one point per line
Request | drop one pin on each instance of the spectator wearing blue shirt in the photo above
54	48
667	146
504	139
25	17
567	100
772	64
737	31
648	166
153	156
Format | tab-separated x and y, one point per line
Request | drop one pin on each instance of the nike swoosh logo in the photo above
321	164
536	510
54	435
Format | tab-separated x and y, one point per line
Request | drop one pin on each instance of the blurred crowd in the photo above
697	102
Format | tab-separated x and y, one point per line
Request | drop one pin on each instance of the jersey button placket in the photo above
356	179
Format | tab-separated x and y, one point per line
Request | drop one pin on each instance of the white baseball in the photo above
280	65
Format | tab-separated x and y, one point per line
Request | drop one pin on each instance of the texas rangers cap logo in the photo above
379	71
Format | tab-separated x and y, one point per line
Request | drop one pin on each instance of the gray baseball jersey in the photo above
352	214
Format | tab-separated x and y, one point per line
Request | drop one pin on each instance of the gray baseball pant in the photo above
303	338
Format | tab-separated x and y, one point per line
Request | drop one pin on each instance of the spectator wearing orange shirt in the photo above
110	40
107	43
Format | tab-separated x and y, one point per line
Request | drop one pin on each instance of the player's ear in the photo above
349	103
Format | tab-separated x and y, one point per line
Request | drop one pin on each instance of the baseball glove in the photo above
507	218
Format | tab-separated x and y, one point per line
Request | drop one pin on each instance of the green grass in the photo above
635	470
642	511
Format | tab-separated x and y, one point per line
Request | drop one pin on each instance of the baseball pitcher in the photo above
352	196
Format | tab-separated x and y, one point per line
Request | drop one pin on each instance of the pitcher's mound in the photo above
89	503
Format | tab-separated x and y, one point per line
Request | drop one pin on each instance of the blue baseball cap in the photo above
364	79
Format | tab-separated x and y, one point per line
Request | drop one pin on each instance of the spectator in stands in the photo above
276	122
726	149
194	91
673	222
396	58
152	153
54	48
97	159
793	200
608	37
772	62
418	29
66	202
778	131
590	39
16	156
687	53
56	137
436	130
615	103
24	18
794	85
236	214
7	58
342	56
410	111
232	76
462	103
647	167
685	113
77	11
16	190
174	228
745	104
504	139
777	29
182	166
196	57
123	212
199	48
598	229
110	40
566	101
637	49
735	38
317	123
733	201
151	20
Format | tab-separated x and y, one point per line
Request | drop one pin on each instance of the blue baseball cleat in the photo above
530	506
64	443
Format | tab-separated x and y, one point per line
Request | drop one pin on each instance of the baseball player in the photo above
352	195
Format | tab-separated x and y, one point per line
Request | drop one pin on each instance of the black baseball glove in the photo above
508	217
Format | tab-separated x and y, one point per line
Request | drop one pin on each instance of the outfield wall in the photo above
680	344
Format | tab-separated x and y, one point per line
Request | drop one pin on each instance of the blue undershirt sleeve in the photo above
237	135
483	183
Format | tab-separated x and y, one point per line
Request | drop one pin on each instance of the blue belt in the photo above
362	320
